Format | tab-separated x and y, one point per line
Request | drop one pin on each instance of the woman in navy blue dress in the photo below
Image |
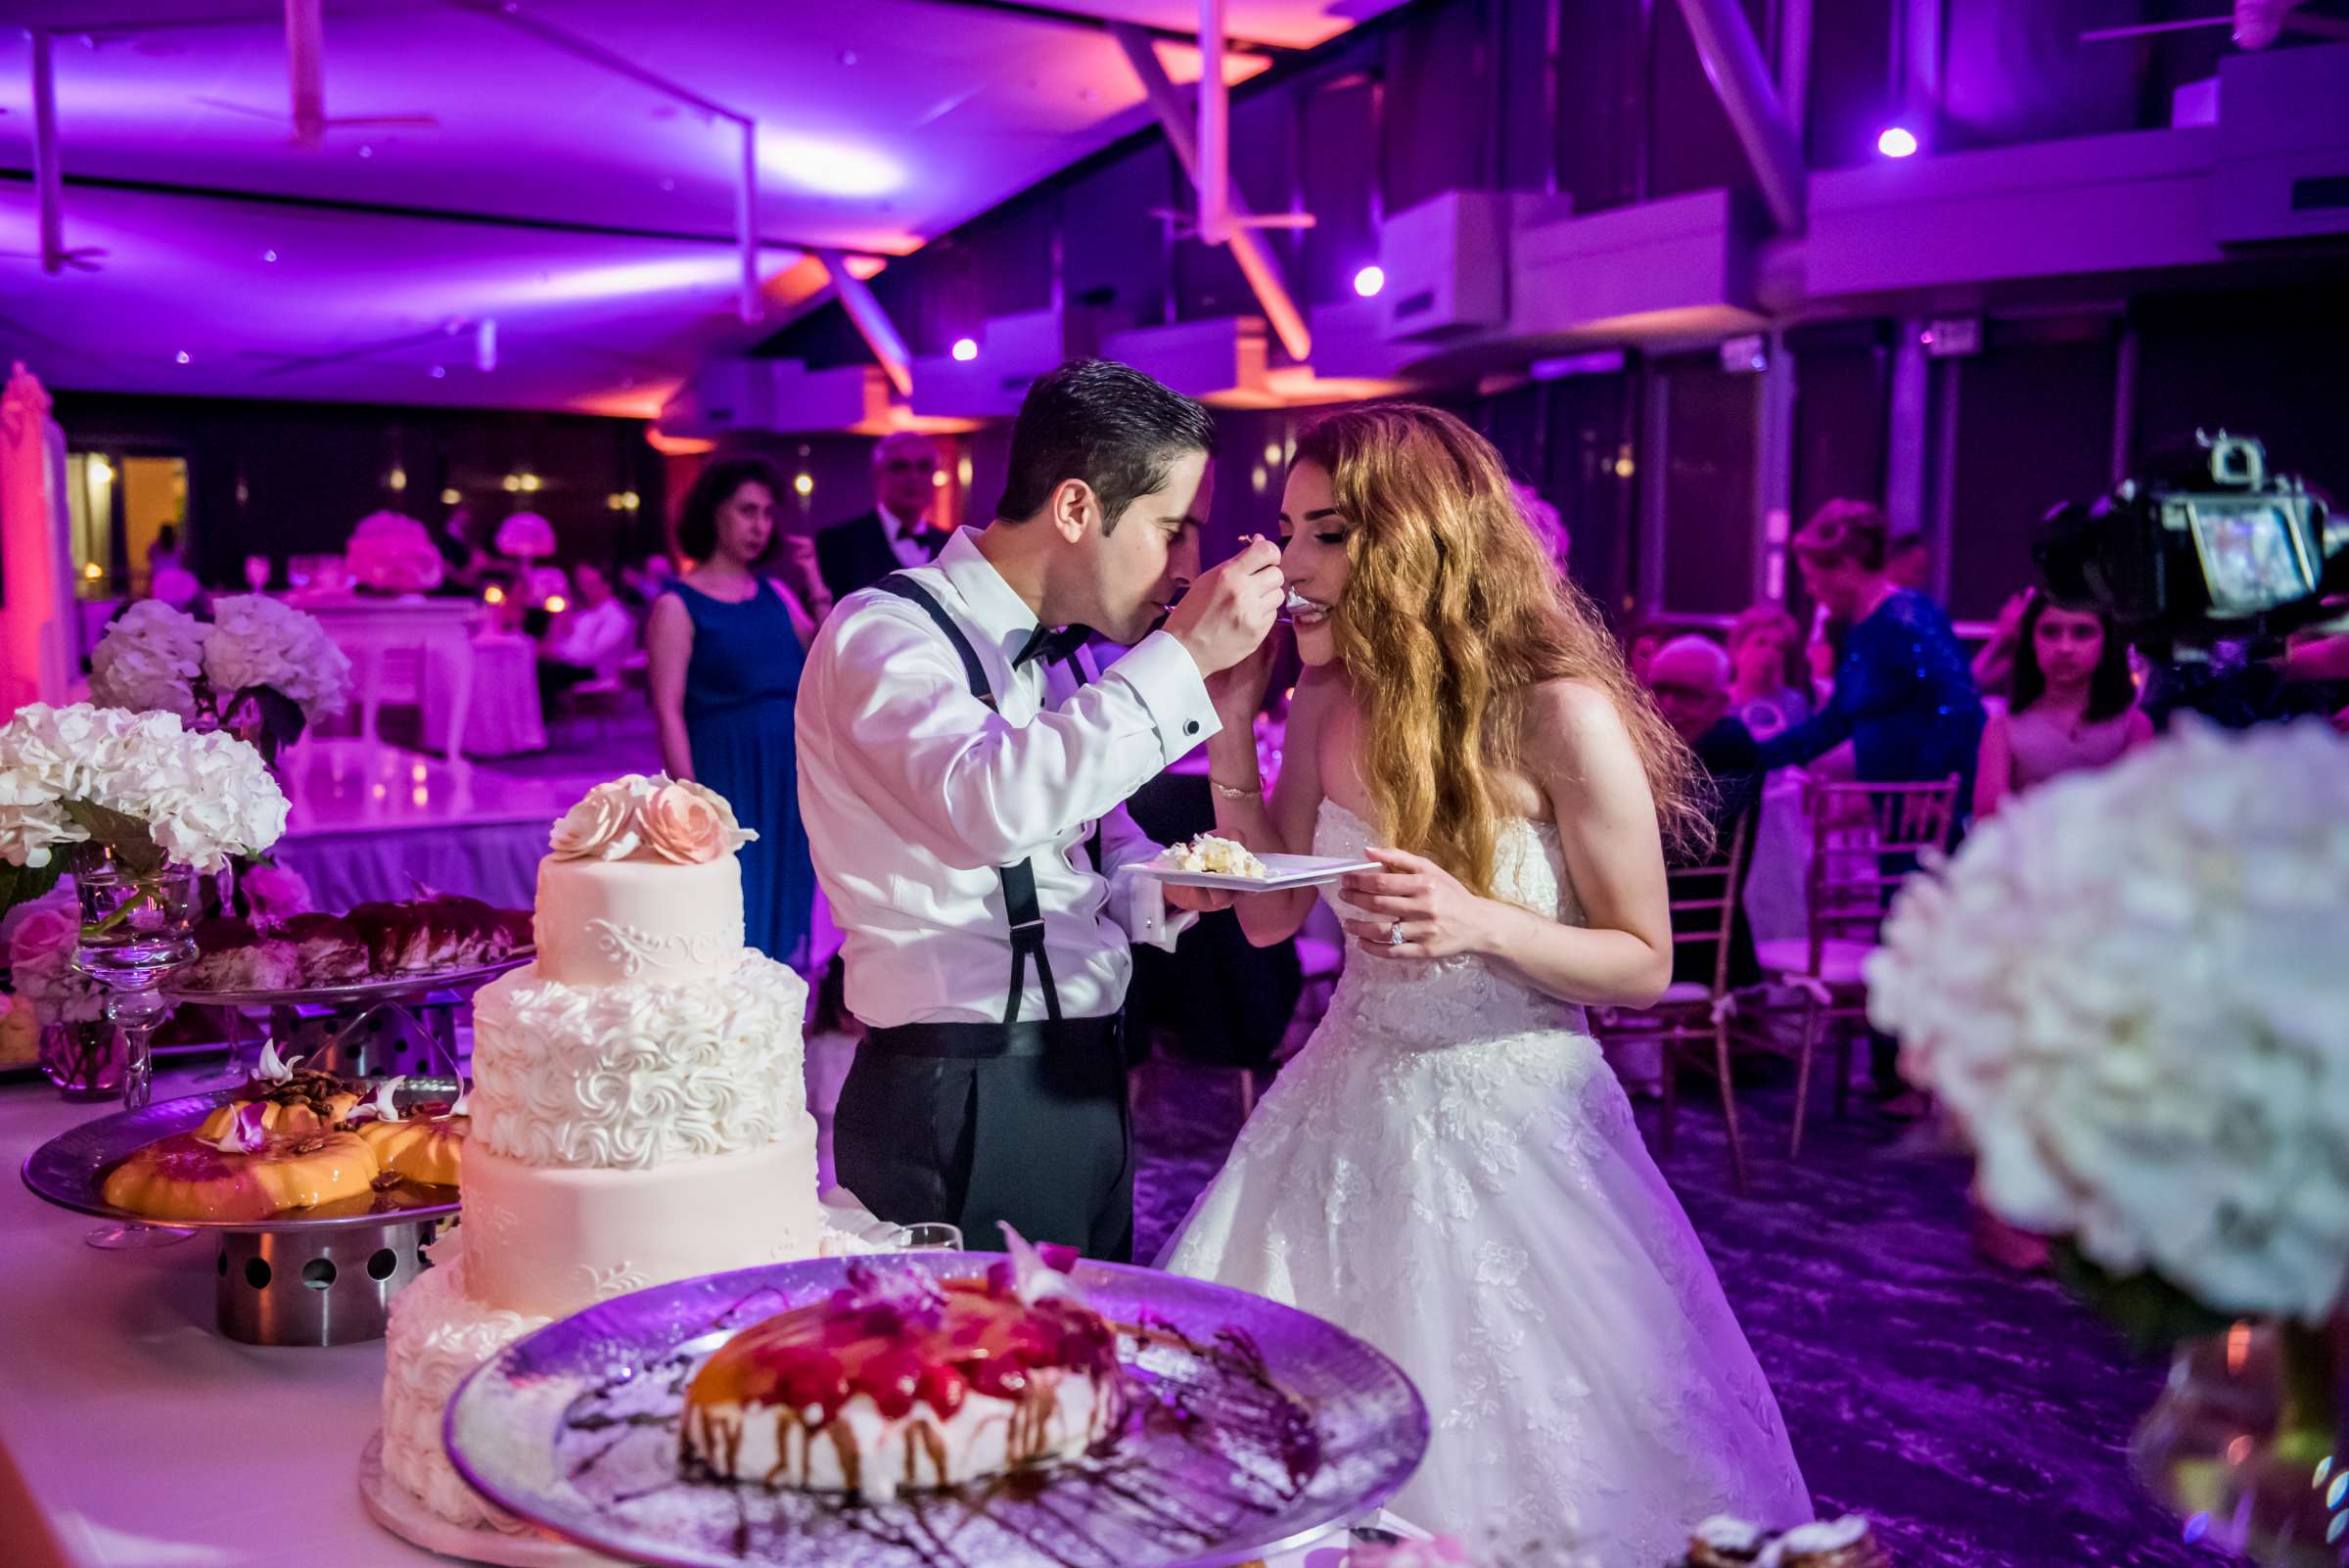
725	647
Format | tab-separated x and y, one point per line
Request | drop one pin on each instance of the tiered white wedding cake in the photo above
638	1111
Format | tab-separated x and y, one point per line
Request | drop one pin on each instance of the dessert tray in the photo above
70	1169
377	989
1255	1428
317	1276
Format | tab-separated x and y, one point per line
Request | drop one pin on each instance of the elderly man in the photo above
1691	678
897	533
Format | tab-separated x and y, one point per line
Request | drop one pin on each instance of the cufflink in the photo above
1191	727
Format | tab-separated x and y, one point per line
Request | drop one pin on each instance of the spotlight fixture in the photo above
1897	141
1369	280
966	349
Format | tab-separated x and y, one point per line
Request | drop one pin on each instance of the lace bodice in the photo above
1454	1000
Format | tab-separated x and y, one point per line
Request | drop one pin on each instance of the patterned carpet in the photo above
1980	1416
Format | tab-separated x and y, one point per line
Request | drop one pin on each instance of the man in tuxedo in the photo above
897	533
963	775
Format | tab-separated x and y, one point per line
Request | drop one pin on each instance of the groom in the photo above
964	774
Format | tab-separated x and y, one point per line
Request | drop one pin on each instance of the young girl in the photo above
2074	704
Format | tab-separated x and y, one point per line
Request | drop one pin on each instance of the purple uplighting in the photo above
789	483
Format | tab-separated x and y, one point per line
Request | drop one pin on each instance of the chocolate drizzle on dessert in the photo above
315	1091
1205	1446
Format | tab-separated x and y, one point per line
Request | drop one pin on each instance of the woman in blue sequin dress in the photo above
725	646
1905	694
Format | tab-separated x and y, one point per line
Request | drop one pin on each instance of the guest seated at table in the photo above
1904	691
590	638
1770	693
466	563
641	584
2074	705
1641	641
1691	678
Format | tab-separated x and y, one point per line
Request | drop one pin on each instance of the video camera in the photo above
2216	549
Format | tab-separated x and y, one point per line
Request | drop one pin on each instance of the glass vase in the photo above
83	1058
135	929
2245	1443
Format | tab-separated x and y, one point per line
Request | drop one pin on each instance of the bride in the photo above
1449	1169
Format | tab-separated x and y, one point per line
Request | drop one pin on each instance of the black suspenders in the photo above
1027	917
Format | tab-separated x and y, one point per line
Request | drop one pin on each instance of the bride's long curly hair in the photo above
1453	612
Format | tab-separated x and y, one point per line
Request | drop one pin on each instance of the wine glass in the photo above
928	1236
134	931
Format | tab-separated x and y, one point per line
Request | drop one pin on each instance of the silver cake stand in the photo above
381	1025
303	1278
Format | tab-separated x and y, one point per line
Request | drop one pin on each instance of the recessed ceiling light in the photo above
268	255
847	57
438	371
182	357
365	151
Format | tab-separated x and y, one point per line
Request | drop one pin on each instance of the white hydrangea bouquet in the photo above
139	789
2129	991
260	667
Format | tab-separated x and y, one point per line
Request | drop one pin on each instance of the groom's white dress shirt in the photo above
913	793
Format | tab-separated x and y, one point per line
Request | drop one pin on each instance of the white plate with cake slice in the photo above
1211	861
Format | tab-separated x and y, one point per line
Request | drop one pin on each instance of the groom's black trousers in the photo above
978	1123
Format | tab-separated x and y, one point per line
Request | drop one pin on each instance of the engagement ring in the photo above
1395	935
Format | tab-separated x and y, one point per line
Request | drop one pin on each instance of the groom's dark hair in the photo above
1104	423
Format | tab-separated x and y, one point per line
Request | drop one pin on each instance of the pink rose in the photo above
689	824
42	935
604	825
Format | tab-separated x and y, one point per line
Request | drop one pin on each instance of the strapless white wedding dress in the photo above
1449	1170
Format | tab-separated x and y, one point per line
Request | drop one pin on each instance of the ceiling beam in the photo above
1248	246
1741	77
427	215
1064	17
872	321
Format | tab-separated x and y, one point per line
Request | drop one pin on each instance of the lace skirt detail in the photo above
1486	1213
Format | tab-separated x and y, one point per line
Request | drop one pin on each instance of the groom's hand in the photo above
1230	610
1201	900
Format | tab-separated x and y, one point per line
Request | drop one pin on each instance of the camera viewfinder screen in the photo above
2249	558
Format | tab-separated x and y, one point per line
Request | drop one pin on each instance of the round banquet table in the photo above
133	1436
505	716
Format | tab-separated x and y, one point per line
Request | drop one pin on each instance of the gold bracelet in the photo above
1231	793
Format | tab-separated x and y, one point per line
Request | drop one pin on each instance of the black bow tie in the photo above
1052	646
